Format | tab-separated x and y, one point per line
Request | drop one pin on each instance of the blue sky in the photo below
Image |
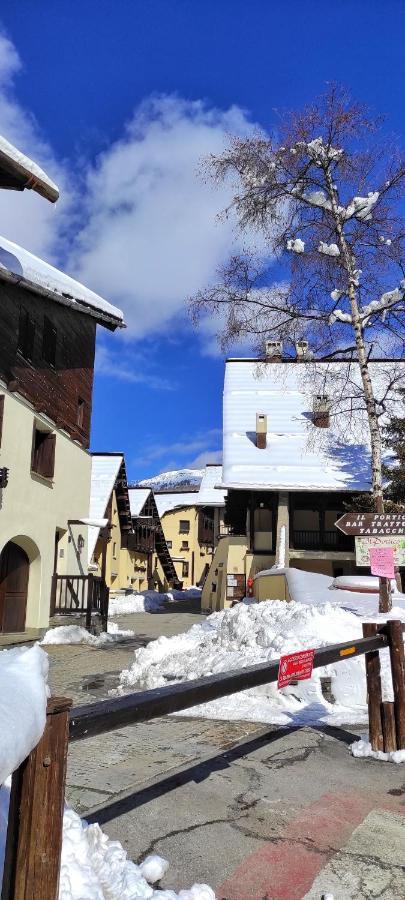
124	99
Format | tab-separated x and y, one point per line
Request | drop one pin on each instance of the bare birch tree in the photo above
325	197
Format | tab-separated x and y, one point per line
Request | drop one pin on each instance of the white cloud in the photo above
25	217
209	456
177	454
126	362
151	235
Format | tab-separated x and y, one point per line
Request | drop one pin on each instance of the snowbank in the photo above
75	634
23	697
148	601
95	868
259	632
363	749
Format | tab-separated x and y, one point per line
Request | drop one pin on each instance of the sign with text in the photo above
382	561
295	667
371	523
365	544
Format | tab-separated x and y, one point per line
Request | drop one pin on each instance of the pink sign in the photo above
295	667
382	561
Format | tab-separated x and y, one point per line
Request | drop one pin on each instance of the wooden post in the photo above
388	726
34	833
89	606
374	696
396	642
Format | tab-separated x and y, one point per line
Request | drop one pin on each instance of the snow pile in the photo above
260	632
23	697
148	601
363	749
95	868
75	634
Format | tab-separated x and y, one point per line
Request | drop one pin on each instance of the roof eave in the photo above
110	322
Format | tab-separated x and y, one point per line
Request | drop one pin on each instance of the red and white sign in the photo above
295	667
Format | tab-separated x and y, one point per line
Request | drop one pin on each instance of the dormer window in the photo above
321	411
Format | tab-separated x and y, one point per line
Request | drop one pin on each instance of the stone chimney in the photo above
302	350
321	411
261	431
274	351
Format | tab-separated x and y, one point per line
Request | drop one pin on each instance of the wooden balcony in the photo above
318	540
84	594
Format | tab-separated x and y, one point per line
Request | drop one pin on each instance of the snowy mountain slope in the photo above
178	480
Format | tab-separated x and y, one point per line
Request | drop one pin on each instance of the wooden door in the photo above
14	574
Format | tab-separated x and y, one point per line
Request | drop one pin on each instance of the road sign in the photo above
365	543
295	667
372	523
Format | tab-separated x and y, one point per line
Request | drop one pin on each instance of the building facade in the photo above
47	346
289	471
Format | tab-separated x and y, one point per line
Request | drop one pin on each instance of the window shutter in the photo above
47	456
1	415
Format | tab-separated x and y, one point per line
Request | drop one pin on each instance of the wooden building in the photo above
47	346
288	470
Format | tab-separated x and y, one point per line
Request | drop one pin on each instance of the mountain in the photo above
173	482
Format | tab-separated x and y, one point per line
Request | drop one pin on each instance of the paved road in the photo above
260	813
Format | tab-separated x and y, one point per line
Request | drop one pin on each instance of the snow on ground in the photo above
148	601
23	698
75	634
363	749
95	868
251	633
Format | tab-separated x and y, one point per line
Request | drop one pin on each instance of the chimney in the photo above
261	431
321	411
302	350
274	351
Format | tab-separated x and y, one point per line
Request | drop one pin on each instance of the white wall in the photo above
32	507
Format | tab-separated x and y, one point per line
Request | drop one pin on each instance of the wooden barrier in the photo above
34	835
34	832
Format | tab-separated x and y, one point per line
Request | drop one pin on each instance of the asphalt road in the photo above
259	813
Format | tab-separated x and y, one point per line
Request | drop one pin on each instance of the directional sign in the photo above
369	524
295	667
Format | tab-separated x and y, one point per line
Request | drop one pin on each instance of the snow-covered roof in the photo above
25	172
168	502
104	471
209	494
21	267
137	499
298	456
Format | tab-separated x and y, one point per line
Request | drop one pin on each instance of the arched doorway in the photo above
14	575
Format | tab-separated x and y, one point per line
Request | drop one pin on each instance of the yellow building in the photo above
114	552
192	522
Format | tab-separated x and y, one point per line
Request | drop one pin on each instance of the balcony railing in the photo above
85	594
317	540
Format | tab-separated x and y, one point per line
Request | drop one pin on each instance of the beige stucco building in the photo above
192	522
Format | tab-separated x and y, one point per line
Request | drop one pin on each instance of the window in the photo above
184	527
169	544
49	342
184	545
26	335
43	452
263	528
1	415
114	550
185	570
80	412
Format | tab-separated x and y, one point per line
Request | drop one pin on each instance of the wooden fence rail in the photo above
34	835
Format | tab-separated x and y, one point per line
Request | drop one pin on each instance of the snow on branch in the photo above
328	249
390	298
361	207
297	245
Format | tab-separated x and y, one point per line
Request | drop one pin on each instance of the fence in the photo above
86	594
34	835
